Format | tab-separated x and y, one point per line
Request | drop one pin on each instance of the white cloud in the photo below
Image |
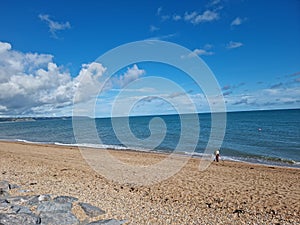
32	84
176	17
54	26
153	28
88	83
237	21
206	16
130	75
199	52
162	37
190	16
213	3
4	47
233	44
202	52
29	82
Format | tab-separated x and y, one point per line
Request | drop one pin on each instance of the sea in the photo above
270	137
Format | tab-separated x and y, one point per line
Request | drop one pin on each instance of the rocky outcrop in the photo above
45	210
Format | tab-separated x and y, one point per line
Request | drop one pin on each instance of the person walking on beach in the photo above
217	155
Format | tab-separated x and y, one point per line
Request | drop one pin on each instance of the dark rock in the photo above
90	210
238	211
20	209
208	204
3	193
17	200
54	207
18	219
3	200
58	218
33	200
13	186
64	199
4	186
107	222
14	209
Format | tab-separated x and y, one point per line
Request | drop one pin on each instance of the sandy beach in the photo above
225	193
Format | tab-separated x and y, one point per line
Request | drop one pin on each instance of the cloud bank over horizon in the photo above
33	84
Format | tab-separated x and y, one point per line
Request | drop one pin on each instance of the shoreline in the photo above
285	163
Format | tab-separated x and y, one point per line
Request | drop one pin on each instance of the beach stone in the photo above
24	191
17	200
107	222
42	198
9	209
3	200
4	185
13	186
90	210
5	208
58	218
64	199
54	207
16	210
32	200
18	219
20	209
3	193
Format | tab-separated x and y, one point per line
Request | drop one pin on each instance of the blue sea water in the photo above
266	137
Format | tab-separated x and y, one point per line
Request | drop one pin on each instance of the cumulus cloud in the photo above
199	52
4	47
237	21
233	44
130	75
190	16
33	84
54	26
30	80
88	83
202	52
213	3
268	98
176	17
242	101
206	16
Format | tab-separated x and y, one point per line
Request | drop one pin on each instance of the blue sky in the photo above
252	47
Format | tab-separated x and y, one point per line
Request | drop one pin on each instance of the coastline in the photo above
226	191
285	163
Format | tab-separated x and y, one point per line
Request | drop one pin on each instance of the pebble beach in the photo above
225	193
